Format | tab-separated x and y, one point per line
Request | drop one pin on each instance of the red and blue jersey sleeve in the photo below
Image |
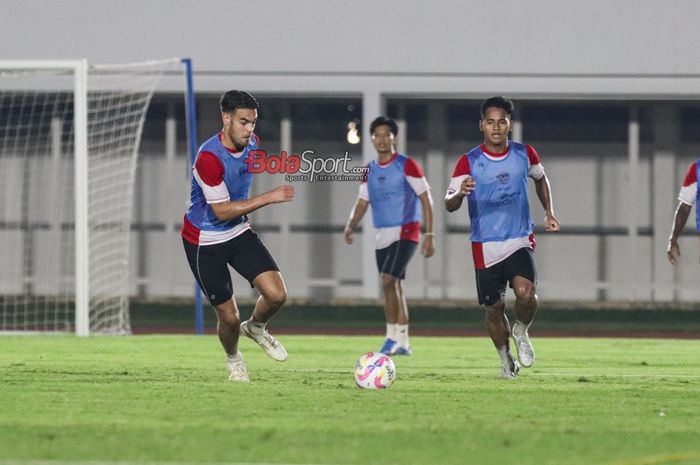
459	174
535	170
209	173
689	190
416	177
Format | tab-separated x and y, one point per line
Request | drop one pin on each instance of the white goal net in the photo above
69	138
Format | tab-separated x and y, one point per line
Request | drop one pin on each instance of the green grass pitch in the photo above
165	399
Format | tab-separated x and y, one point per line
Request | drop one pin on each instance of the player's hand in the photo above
428	249
551	224
281	194
468	185
673	252
347	234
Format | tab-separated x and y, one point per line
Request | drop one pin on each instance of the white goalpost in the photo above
69	139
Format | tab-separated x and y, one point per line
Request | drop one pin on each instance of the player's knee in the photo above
228	317
525	292
389	282
276	297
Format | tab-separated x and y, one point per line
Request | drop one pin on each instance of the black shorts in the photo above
394	259
209	264
491	281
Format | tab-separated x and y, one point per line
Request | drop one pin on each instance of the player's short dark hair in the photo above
235	99
498	102
384	121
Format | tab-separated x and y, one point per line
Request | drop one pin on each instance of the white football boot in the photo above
526	354
510	370
273	348
237	370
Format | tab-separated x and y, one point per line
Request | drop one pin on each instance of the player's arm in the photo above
460	186
543	189
225	211
454	197
209	174
544	193
426	201
679	219
356	214
418	182
686	197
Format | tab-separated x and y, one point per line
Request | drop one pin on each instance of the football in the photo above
374	370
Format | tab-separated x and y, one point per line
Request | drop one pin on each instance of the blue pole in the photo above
191	110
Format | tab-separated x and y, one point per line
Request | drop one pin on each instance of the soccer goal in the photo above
69	139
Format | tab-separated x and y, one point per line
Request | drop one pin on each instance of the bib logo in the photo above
306	167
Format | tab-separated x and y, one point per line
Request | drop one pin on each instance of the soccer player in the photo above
493	178
395	187
687	197
216	232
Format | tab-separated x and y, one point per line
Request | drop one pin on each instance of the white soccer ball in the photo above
374	370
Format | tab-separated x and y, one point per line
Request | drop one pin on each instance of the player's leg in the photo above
228	329
499	331
384	257
498	326
396	316
253	261
393	272
273	294
404	346
228	325
491	287
209	267
523	279
392	306
404	252
525	299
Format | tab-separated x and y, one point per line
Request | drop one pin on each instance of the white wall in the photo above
510	36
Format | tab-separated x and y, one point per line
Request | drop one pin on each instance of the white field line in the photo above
523	373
